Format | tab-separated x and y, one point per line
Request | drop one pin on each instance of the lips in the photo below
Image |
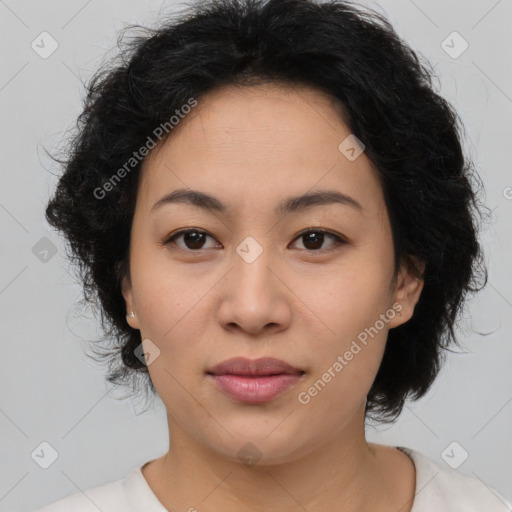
254	381
254	367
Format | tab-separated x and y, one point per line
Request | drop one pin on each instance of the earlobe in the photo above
131	315
408	291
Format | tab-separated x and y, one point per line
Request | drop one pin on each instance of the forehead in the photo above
257	144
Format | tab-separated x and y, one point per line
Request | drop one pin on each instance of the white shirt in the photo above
438	489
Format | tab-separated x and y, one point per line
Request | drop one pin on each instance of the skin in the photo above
303	302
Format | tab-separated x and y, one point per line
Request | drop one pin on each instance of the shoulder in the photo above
107	497
440	488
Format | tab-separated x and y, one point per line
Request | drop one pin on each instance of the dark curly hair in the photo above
411	134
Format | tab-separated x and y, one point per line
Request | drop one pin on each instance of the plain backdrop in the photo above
50	392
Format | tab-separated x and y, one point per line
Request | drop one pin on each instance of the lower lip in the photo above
255	389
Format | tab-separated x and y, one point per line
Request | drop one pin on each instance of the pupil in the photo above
191	238
312	237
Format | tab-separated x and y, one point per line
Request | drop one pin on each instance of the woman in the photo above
274	209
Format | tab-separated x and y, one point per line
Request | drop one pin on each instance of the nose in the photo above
255	298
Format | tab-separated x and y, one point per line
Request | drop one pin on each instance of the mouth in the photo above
254	381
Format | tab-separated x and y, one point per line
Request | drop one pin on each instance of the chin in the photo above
257	447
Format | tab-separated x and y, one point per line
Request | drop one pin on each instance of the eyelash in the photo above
338	240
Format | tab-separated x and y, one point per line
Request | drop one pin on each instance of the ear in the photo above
407	292
126	290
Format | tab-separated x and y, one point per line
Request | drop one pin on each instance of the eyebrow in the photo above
288	205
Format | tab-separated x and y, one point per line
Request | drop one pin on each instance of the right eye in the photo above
192	238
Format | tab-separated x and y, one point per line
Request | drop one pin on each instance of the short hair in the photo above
412	135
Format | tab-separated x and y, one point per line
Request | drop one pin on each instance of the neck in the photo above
344	473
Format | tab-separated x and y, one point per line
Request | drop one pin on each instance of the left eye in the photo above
313	239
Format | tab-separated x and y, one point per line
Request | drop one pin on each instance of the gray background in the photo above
50	391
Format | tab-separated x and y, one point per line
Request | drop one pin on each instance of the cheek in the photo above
347	298
169	314
343	375
167	297
352	307
166	319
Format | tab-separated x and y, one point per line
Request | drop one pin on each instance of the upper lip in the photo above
261	366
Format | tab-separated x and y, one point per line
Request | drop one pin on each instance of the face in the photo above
253	274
